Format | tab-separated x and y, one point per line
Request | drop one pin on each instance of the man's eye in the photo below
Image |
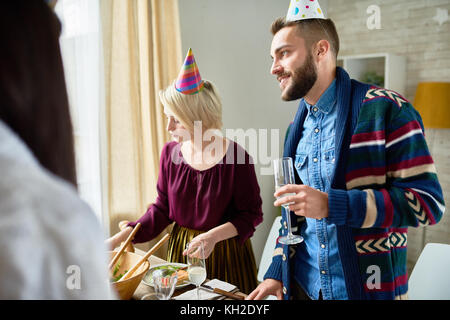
283	53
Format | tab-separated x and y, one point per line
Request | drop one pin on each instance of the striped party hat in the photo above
304	9
189	80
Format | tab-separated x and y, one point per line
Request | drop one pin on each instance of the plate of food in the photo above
179	268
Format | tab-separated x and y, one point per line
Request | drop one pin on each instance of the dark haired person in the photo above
363	173
51	244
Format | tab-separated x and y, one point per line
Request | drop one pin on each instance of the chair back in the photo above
430	278
266	258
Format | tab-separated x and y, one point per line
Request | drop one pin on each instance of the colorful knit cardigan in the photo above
384	182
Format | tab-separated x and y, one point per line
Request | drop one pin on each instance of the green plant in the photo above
373	78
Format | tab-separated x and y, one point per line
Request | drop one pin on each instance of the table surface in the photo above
144	289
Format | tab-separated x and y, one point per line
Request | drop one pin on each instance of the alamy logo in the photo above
374	20
262	145
73	281
374	280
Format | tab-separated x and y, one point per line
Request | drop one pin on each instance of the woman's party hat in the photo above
304	9
189	80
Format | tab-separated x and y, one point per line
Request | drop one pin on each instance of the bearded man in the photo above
363	174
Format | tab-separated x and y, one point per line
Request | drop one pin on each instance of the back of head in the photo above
33	97
312	30
204	106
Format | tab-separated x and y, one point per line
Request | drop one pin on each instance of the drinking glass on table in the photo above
284	174
164	282
196	264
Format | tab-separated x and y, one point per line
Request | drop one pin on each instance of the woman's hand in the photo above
210	238
120	236
209	242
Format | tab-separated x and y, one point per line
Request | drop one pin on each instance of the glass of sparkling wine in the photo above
196	264
284	174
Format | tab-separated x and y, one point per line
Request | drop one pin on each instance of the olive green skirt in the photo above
229	261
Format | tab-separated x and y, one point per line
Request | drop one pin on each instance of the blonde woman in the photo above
206	185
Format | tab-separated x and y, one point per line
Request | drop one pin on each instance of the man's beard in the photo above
303	79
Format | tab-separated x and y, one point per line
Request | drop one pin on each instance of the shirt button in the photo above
315	159
284	290
323	272
316	130
322	246
284	257
315	109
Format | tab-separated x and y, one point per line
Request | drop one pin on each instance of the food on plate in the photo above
179	269
182	275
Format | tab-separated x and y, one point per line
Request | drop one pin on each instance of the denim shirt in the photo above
318	266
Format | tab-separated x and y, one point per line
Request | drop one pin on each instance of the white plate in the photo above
148	276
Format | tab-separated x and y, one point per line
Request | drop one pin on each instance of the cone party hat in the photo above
304	9
189	80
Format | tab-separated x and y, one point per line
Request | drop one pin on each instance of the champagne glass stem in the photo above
198	292
288	221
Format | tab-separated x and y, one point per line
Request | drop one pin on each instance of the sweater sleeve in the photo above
246	199
275	268
391	177
156	218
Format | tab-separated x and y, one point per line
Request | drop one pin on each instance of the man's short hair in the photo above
312	30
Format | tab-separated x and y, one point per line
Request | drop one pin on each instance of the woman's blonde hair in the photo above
204	106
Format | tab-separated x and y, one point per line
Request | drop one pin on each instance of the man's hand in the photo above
265	288
307	201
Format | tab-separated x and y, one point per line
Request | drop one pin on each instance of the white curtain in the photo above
81	51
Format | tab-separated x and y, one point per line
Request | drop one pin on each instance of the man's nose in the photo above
276	68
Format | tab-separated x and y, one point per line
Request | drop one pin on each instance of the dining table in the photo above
144	289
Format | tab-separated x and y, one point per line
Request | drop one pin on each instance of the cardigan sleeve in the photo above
246	199
391	177
156	218
275	268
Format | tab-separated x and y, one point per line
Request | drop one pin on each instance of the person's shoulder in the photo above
383	96
388	108
170	152
47	195
381	102
170	145
43	215
28	188
169	148
237	154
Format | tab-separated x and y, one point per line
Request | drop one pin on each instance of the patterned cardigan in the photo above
384	182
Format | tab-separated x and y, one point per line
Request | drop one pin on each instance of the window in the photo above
81	52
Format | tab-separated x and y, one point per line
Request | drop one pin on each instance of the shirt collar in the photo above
327	99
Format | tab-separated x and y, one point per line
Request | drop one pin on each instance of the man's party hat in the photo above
304	9
189	80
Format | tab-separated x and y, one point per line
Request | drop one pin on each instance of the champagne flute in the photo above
284	174
196	264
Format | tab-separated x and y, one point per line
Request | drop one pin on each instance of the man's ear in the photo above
322	49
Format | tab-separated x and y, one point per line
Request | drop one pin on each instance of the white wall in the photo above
231	44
